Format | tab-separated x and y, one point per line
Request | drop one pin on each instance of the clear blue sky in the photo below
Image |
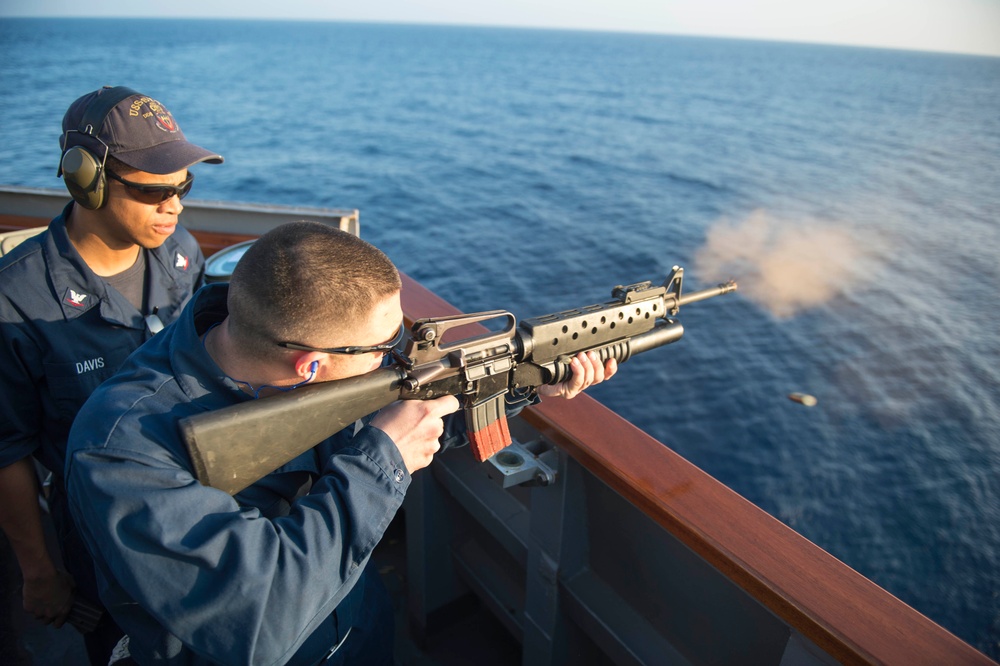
961	26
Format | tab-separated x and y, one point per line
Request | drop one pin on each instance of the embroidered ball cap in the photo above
139	132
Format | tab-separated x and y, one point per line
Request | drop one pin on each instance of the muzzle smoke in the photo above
782	265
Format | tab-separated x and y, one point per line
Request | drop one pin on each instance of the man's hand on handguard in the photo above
587	371
416	426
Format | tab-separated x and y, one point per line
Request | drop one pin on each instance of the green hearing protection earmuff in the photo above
82	165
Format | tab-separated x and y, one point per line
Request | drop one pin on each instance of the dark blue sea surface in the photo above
853	193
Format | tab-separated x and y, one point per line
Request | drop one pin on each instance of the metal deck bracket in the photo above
519	464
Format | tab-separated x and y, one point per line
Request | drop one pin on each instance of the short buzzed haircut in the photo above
305	282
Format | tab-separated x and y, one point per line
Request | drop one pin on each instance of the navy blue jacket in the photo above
191	574
63	331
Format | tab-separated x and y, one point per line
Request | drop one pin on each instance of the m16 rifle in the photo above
233	447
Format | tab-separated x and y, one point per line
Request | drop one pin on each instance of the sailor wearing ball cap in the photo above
112	269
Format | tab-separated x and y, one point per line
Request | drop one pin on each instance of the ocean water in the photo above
853	193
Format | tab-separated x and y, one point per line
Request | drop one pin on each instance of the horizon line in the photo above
459	24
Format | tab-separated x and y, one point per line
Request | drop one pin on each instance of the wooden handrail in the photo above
17	222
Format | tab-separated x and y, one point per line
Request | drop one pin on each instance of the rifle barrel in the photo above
696	296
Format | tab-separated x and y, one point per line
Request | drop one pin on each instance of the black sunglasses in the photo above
355	350
153	193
